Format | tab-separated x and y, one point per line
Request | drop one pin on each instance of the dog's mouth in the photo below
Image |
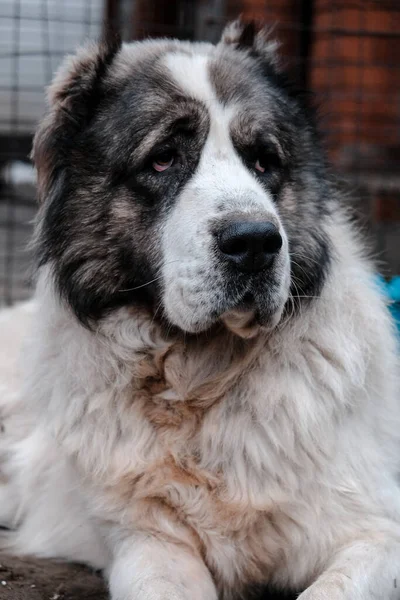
245	307
249	317
241	322
244	319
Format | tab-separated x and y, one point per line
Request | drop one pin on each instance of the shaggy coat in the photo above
196	429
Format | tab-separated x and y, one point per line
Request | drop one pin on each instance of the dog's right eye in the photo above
260	165
163	161
266	161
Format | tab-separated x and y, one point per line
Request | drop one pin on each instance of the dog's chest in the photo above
237	538
189	460
208	466
194	480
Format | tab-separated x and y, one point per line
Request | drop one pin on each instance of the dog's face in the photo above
183	177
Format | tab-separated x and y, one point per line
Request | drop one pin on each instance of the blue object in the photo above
391	289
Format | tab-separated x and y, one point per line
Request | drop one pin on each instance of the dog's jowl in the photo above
206	401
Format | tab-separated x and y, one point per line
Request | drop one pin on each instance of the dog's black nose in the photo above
250	245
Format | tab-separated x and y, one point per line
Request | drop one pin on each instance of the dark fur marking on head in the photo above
273	104
100	223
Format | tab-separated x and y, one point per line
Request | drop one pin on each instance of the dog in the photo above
207	397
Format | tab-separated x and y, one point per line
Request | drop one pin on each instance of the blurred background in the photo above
346	52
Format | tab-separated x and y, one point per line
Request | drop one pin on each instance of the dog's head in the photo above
183	177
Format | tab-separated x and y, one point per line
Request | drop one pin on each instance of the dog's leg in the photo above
151	569
364	570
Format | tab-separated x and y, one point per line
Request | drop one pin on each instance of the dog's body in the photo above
235	422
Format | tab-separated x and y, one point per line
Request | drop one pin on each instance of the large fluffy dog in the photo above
209	397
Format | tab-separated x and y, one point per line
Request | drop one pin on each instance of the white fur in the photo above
221	186
291	475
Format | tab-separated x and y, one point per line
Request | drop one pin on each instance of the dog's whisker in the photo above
159	305
301	296
138	287
307	258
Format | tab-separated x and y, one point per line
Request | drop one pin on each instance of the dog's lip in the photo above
248	319
243	318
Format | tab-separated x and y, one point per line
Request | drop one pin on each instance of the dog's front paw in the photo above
158	589
166	594
325	591
322	594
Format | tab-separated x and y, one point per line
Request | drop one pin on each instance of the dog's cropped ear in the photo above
248	35
72	100
75	88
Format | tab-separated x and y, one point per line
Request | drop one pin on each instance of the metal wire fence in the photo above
347	52
34	36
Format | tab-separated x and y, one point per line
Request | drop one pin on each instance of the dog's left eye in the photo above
163	161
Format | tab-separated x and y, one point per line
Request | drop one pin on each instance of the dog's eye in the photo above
267	162
260	165
163	161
